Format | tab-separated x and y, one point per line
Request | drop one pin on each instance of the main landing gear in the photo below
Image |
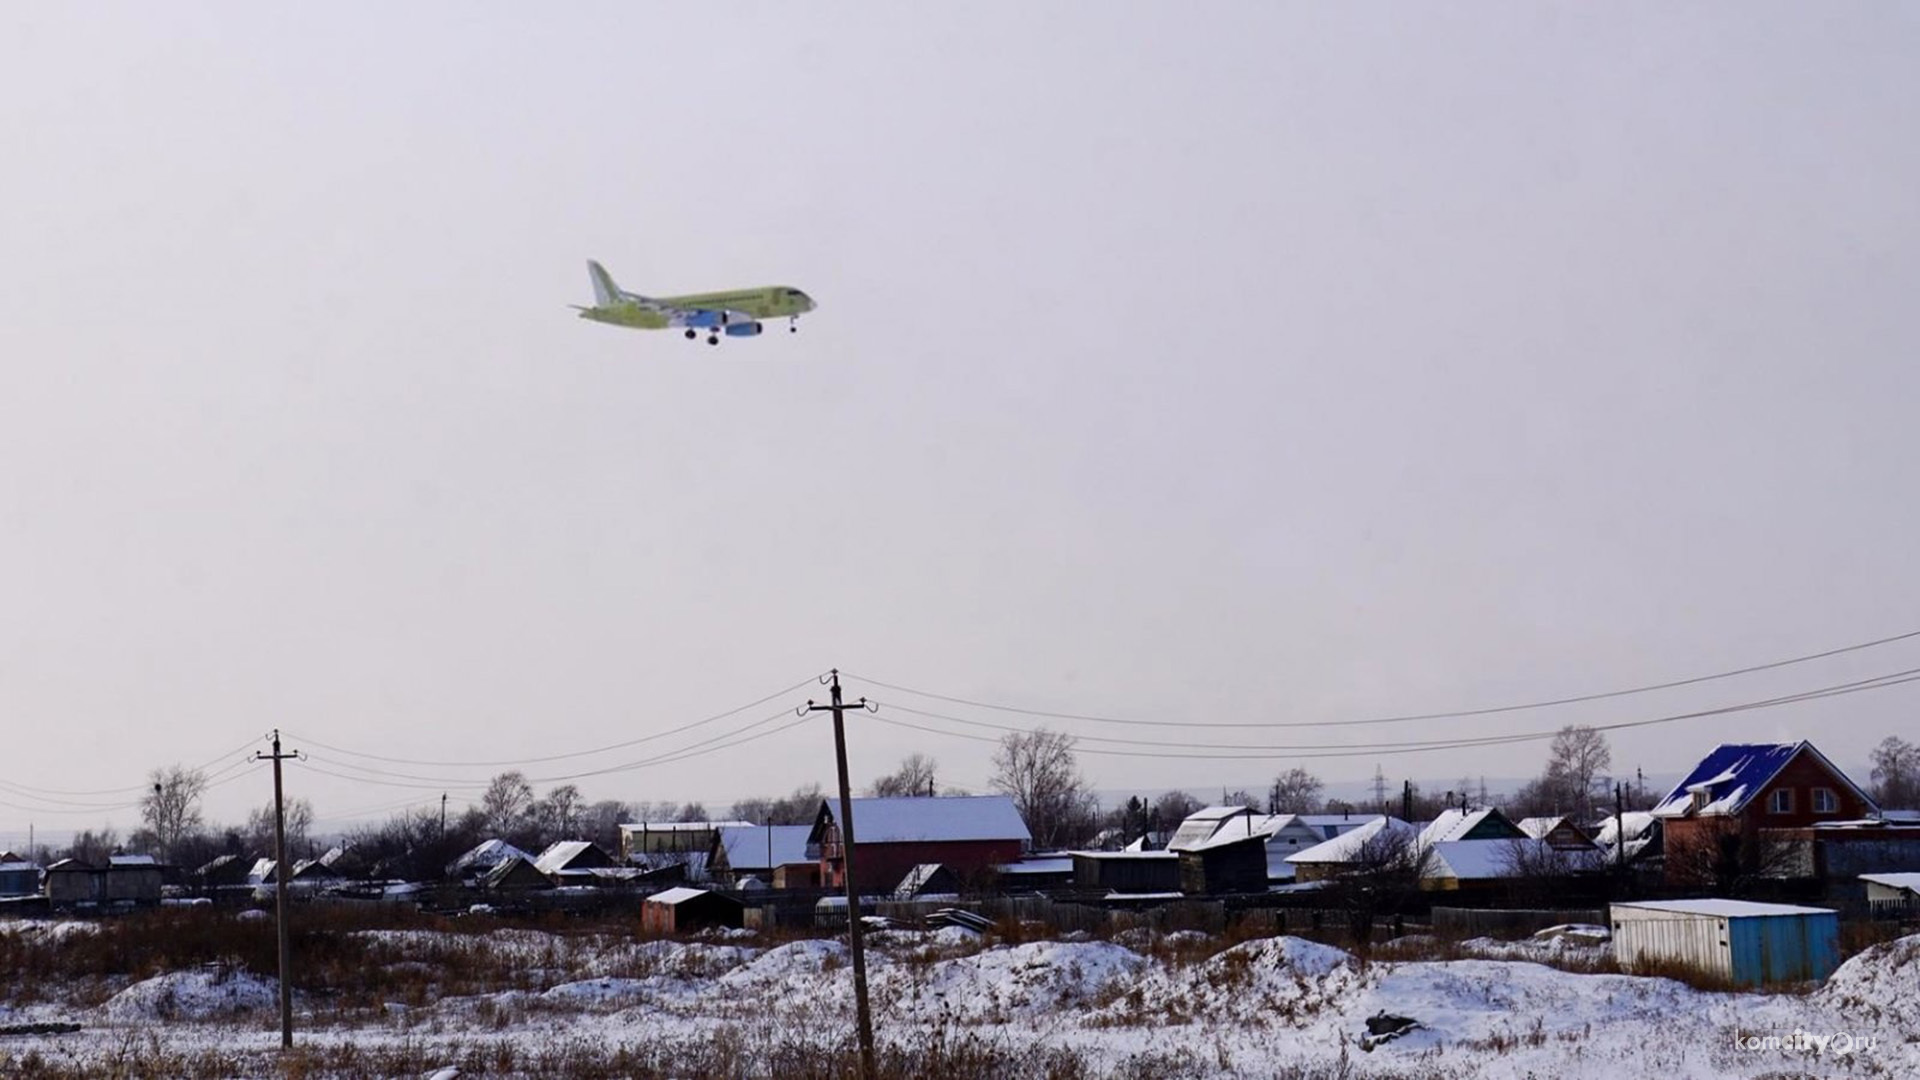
691	335
793	324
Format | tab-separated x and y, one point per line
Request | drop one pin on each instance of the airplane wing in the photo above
699	317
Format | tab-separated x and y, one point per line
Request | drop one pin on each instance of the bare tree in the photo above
172	808
1038	770
1242	797
506	802
692	811
600	822
1172	808
259	832
1576	758
1295	791
557	816
1382	877
913	777
1539	873
1896	774
1732	857
93	847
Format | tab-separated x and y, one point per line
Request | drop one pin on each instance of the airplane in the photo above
735	314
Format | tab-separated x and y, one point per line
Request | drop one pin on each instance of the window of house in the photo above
1781	801
1825	801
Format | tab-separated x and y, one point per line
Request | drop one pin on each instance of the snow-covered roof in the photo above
948	817
676	895
1724	909
1908	880
559	854
1332	825
485	855
1482	860
747	846
1455	823
1125	855
916	880
1729	777
1196	828
1347	846
1539	827
131	860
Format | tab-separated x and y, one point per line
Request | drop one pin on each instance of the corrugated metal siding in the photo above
1643	937
1785	948
1747	951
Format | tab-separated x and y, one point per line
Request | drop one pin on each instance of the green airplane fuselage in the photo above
769	302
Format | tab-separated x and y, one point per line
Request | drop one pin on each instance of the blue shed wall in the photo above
1784	948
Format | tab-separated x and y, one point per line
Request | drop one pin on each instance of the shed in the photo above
514	872
134	879
679	910
1892	894
1127	871
1745	943
71	881
18	877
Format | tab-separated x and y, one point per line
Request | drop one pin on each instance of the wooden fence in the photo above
1508	922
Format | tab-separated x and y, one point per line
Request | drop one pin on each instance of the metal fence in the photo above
1508	922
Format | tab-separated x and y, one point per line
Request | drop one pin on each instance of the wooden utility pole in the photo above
280	876
854	928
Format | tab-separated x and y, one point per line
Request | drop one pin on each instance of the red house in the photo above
970	834
1742	788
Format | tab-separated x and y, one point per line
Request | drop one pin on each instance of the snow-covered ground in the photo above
1258	1008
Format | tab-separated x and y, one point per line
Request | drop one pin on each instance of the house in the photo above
1353	848
483	857
1217	858
515	872
1560	832
756	850
18	876
1746	787
1453	865
1640	842
225	872
970	834
1456	824
648	838
681	910
570	862
1739	942
925	881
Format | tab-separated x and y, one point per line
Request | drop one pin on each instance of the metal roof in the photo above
1729	777
945	818
1724	909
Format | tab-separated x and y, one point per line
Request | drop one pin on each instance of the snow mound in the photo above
192	995
1021	980
1296	955
1882	983
791	964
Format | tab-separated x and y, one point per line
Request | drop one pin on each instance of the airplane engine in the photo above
745	329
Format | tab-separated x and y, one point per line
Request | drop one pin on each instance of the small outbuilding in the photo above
1740	941
18	876
1893	894
677	911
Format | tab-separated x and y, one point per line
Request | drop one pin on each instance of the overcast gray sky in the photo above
1236	362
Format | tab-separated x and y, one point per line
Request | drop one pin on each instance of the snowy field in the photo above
1141	1005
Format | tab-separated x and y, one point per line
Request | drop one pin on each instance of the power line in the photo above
1382	750
1452	714
559	757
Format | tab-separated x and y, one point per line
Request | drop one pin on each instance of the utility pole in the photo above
443	815
280	891
1406	800
1620	829
854	928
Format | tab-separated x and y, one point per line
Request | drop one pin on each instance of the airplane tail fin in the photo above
605	292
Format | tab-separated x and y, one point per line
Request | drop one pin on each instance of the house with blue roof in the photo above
1744	789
